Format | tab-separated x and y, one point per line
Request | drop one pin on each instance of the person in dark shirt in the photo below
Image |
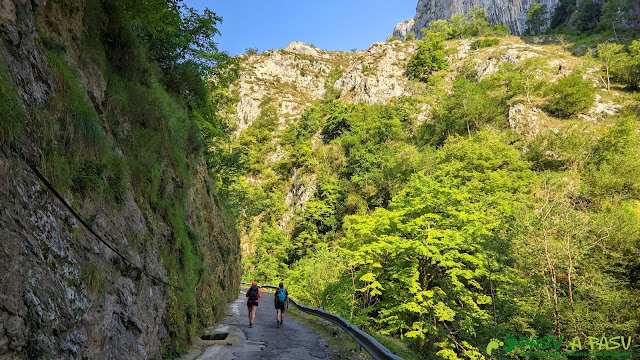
281	302
253	294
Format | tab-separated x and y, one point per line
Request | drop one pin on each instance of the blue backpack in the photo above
282	295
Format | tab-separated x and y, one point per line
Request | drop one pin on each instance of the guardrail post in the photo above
301	310
359	346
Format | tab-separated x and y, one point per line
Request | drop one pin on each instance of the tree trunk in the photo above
570	271
493	296
554	284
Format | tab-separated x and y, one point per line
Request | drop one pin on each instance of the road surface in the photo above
263	341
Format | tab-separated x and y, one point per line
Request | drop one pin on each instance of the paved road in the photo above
264	340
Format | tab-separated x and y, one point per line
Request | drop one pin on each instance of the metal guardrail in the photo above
371	345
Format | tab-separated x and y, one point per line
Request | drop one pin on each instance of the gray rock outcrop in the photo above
378	76
289	80
525	120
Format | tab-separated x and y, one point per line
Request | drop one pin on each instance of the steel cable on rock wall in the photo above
75	214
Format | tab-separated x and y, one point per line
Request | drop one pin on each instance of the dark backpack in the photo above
253	293
282	295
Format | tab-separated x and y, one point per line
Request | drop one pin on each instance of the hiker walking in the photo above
282	297
253	294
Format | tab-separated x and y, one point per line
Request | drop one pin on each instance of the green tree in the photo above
311	276
587	15
442	27
430	57
526	78
467	109
608	55
478	21
378	159
614	14
457	25
536	18
269	259
613	172
338	121
421	266
177	38
627	69
562	13
174	32
569	263
320	221
570	96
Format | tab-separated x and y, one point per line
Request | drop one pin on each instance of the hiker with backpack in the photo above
280	300
253	294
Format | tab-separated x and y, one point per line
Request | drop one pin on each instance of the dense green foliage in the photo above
365	139
483	43
626	67
587	15
467	109
11	114
430	57
429	250
570	96
611	172
536	17
450	250
474	23
177	39
582	16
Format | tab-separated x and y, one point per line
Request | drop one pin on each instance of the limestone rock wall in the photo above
64	294
512	13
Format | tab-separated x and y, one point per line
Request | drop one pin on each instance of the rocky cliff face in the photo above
45	308
64	294
510	13
292	78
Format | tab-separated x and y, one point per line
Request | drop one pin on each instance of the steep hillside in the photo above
445	191
282	85
81	102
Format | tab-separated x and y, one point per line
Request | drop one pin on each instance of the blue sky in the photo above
330	24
